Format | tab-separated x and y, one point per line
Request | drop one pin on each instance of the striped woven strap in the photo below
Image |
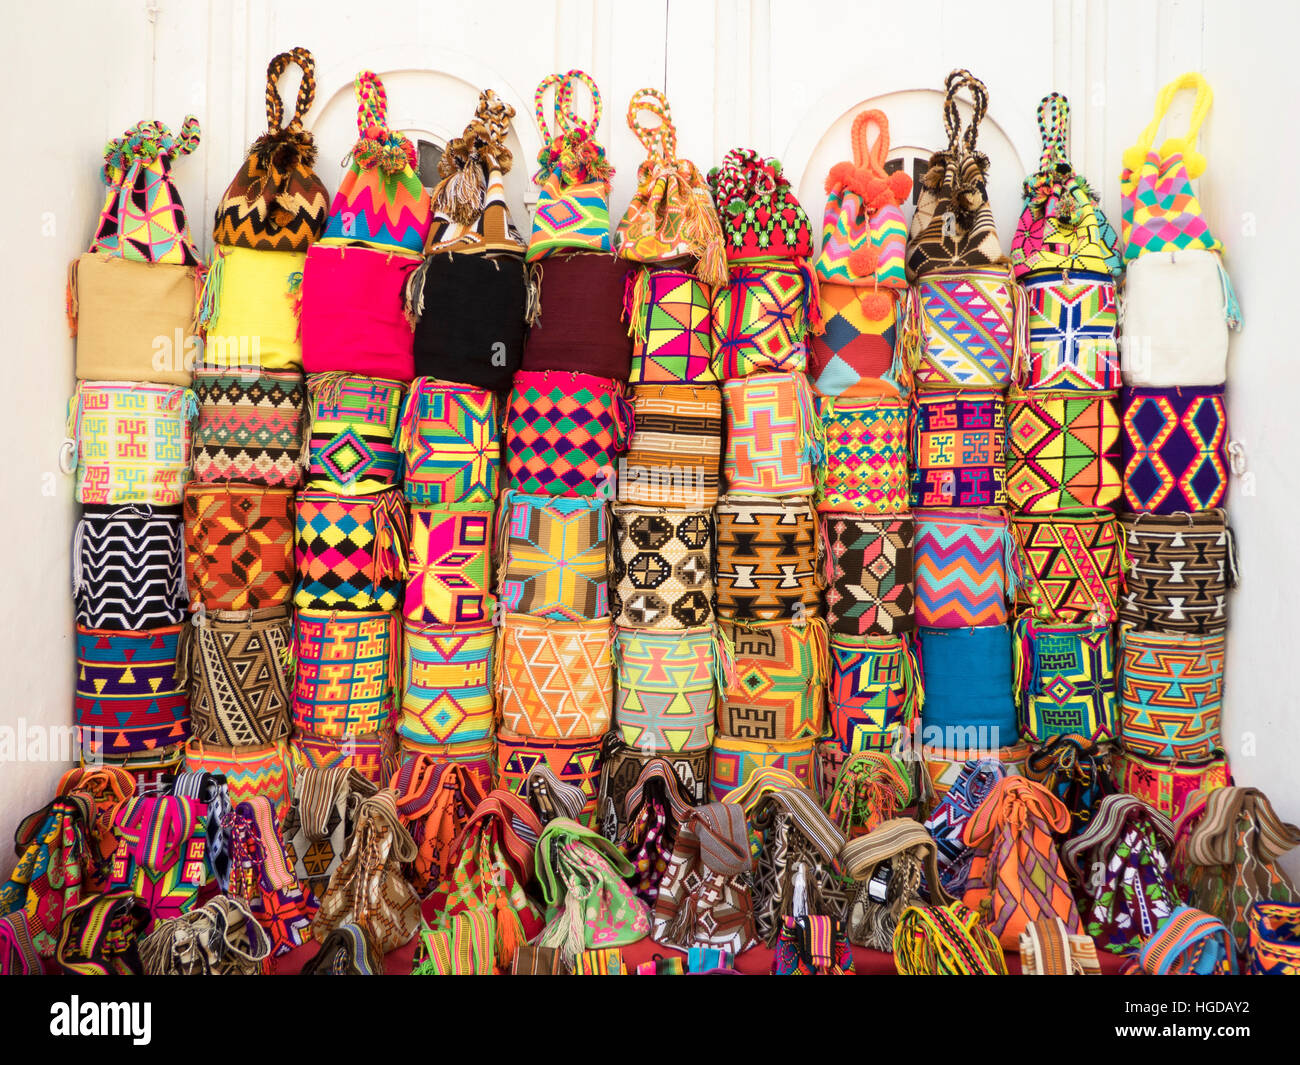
946	941
764	782
99	936
156	829
552	797
518	828
1113	815
1045	949
464	948
18	955
724	837
801	806
1213	841
319	792
657	776
1192	943
887	840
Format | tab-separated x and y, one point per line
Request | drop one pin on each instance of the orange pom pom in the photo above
901	185
862	260
875	304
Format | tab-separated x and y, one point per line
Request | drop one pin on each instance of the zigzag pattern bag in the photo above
127	567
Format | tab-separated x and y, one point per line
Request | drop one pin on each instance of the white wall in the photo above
783	76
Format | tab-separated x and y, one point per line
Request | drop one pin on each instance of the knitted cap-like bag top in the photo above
761	219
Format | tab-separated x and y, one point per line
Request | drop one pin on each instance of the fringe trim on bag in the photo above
70	301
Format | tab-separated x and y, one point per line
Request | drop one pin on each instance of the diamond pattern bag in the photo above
250	427
239	546
353	440
1174	449
1062	450
350	552
869	574
447	683
1065	680
128	567
865	466
450	442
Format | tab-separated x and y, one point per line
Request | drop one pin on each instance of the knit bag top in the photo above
761	219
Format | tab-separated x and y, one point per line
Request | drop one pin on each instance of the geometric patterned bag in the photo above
869	574
966	328
555	679
1180	567
673	456
161	853
1062	450
344	676
250	427
127	570
574	761
958	444
1274	940
447	683
353	442
672	327
450	442
1174	448
1073	332
661	567
350	552
777	687
54	861
865	464
1065	680
875	690
1171	695
551	559
1071	565
1167	786
127	698
965	564
766	563
448	567
262	772
667	689
760	320
238	546
773	435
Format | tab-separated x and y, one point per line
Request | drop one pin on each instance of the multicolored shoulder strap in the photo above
946	941
100	937
464	948
18	955
871	786
1112	817
1191	943
552	797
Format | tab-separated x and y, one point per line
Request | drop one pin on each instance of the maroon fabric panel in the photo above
581	327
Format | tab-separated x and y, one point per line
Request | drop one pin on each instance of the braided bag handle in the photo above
306	89
660	138
957	138
566	114
372	102
1054	127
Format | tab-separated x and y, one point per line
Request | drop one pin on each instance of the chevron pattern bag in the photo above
250	427
1180	567
1071	564
869	574
447	675
1171	695
966	329
350	552
965	566
958	448
1065	680
449	567
865	464
875	690
1274	940
573	173
1160	208
1062	226
1073	327
667	688
276	202
766	566
777	686
380	202
373	755
261	772
344	671
128	567
353	441
555	679
1062	450
953	223
127	697
761	319
450	443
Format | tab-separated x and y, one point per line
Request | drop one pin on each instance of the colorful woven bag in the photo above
239	685
574	761
1180	568
344	671
449	568
54	864
958	447
447	675
238	546
450	443
1160	209
667	688
1047	949
276	202
969	688
353	441
1062	226
871	787
161	854
953	222
670	316
1073	325
621	767
1174	449
1072	564
675	450
767	559
1190	943
671	216
262	875
434	801
563	431
101	936
946	941
350	552
1062	450
1274	939
661	567
127	567
127	698
738	761
373	755
1171	695
761	318
812	945
947	820
773	435
552	556
1065	680
1166	786
655	809
464	948
219	938
555	679
761	219
108	788
581	300
248	310
1016	875
944	767
380	202
130	442
256	772
876	690
321	821
965	565
865	464
250	427
1077	771
777	687
573	174
966	329
887	865
869	574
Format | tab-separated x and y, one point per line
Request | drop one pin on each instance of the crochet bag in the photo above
353	440
434	801
969	688
581	875
704	898
380	202
869	574
238	546
250	427
368	889
130	442
671	216
872	787
1167	786
578	327
127	697
257	772
667	688
101	936
1174	449
575	761
767	559
1171	695
661	567
555	679
248	309
450	445
1274	940
219	938
621	766
448	567
676	446
1180	568
865	465
776	690
161	854
1047	949
1071	565
947	822
1190	943
127	568
447	683
563	431
1121	863
1062	226
345	671
655	809
966	328
946	941
552	556
1065	680
235	664
18	956
953	222
1076	770
346	952
573	173
54	861
761	318
856	354
262	875
108	787
965	565
319	827
1073	326
761	219
670	319
811	945
1160	210
944	766
1016	875
737	761
1227	853
350	552
1062	450
276	202
958	446
875	690
887	865
773	435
